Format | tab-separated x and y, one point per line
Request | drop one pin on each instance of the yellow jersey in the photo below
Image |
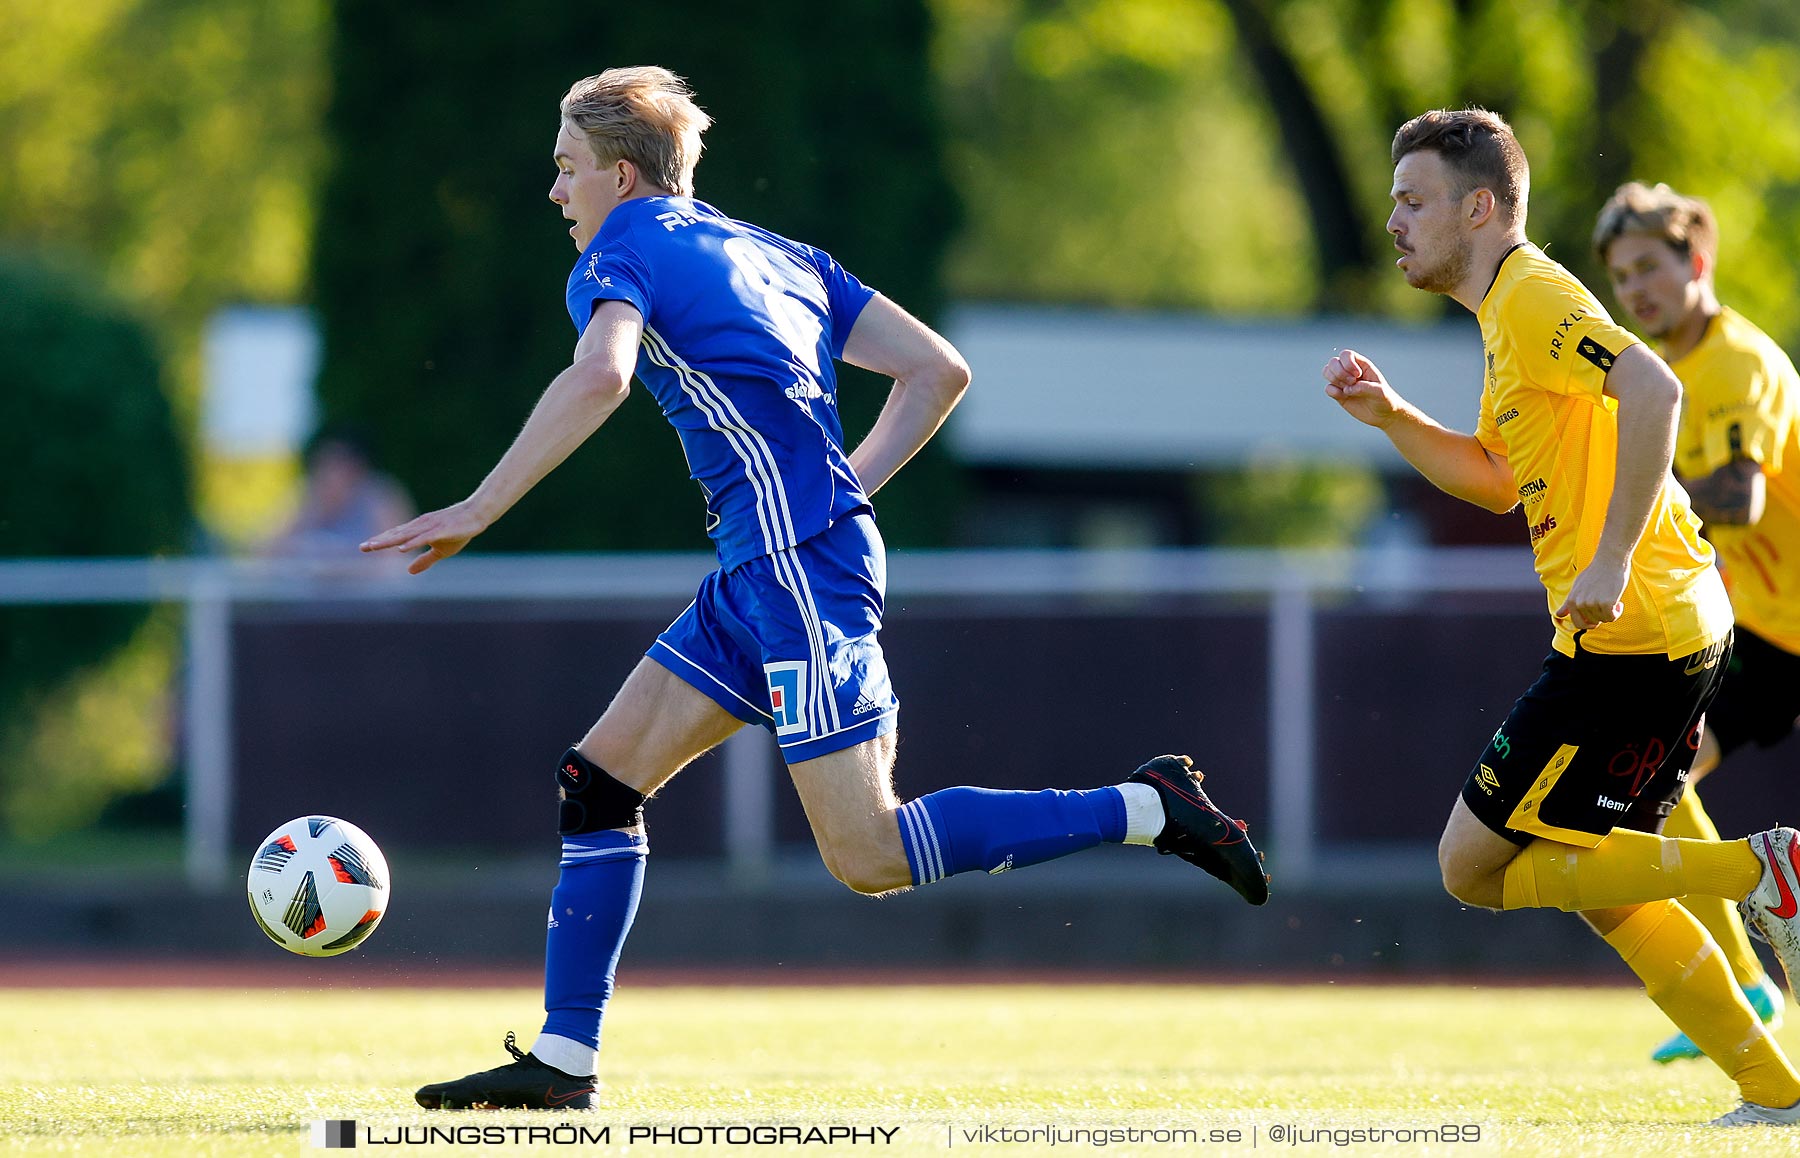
1549	344
1742	400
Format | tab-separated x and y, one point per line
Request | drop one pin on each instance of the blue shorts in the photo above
788	641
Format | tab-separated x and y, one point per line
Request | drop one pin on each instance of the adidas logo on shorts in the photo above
864	705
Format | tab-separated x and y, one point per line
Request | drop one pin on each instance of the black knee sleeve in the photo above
592	801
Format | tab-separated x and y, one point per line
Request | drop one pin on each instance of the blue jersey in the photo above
740	329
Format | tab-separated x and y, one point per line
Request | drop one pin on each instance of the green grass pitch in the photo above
235	1072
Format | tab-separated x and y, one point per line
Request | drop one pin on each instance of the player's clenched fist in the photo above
1595	596
1354	382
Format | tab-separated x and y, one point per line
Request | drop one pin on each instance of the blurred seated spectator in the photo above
346	501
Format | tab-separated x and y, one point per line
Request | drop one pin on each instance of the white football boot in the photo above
1751	1114
1773	906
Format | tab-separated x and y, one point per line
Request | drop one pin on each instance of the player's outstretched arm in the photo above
929	379
570	410
1649	397
1456	463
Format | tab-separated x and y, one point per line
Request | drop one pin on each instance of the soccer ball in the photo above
318	886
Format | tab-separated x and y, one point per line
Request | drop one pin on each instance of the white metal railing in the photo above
1290	581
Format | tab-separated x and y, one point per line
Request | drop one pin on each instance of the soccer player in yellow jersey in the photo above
1577	424
1737	451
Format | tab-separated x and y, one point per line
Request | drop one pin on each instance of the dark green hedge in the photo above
91	462
439	262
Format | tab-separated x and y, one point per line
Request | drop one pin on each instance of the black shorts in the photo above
1598	742
1760	698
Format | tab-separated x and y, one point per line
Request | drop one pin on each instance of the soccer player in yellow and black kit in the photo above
1577	423
1737	452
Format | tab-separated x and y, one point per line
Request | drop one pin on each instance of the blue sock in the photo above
959	829
591	910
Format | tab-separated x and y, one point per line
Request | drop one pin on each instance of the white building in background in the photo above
258	368
1058	387
1095	428
1089	389
1086	425
257	408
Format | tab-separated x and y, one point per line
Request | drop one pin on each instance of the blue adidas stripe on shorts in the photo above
788	641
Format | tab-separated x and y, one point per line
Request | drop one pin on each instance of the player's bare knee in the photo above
1448	870
1456	882
871	879
1468	883
866	870
872	885
1462	889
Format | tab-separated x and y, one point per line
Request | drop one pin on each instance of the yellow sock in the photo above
1684	973
1628	868
1719	915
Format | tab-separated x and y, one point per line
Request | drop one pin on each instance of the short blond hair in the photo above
645	115
1684	224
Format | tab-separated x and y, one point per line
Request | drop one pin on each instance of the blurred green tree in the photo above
171	143
166	149
1116	152
1227	155
1232	155
90	464
1284	503
440	263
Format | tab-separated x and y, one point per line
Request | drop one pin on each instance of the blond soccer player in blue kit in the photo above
734	331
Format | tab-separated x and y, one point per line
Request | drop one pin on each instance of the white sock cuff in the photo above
1144	817
566	1054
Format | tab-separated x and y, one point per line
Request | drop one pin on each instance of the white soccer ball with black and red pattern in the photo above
318	886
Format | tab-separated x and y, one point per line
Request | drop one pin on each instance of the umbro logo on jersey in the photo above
1596	353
